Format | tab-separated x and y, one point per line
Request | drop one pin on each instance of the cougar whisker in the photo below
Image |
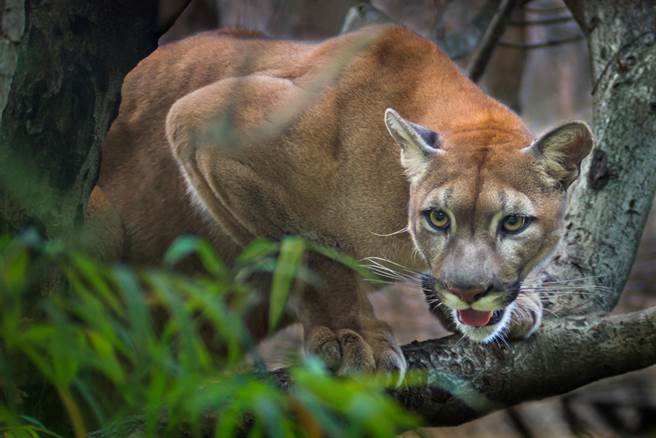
390	274
401	231
381	259
375	281
555	293
460	340
551	312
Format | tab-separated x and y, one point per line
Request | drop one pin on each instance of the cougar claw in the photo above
346	352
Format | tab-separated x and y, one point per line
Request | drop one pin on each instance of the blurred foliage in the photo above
123	350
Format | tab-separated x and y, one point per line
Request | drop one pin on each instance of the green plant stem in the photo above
73	411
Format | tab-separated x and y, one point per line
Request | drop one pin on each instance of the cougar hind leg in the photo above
216	135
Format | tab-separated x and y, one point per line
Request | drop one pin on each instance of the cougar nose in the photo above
469	295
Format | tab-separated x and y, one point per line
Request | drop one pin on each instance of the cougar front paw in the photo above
347	352
526	316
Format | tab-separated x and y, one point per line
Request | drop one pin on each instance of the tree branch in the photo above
541	22
576	8
607	213
456	44
542	45
364	14
466	381
490	38
463	42
610	204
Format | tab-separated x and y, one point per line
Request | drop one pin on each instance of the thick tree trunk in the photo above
610	205
62	63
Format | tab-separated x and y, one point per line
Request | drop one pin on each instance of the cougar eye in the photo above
438	219
514	224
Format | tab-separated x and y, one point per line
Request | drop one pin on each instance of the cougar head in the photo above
486	207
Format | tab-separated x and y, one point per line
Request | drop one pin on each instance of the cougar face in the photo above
485	209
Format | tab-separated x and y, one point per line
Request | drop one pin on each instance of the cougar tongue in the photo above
474	317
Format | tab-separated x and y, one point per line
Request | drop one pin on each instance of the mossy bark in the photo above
609	206
62	63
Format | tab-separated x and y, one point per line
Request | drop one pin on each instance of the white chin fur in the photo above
486	333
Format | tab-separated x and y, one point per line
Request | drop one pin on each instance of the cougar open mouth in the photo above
477	318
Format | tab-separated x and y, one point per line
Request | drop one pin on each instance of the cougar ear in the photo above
561	150
418	144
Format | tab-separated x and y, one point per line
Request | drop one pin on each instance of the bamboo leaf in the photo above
289	260
185	246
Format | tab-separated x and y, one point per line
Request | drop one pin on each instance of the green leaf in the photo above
257	250
229	326
106	356
14	271
96	277
193	355
142	333
135	303
289	260
187	245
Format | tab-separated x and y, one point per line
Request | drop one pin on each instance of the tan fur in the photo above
234	138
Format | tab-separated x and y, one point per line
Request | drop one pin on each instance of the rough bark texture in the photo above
62	63
609	206
465	381
607	212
